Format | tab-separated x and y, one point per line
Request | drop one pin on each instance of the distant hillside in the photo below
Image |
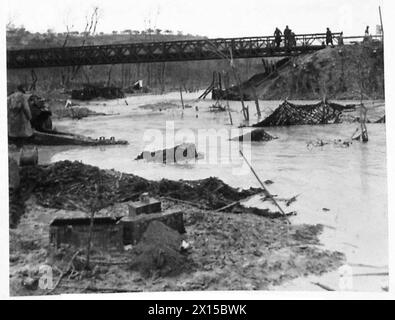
158	76
20	38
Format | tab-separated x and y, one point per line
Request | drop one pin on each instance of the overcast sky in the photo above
213	18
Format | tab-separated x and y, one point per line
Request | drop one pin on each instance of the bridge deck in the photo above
146	52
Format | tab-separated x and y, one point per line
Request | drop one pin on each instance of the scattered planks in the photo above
322	286
64	273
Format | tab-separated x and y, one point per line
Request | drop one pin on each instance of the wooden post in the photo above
258	110
364	130
226	86
109	75
238	80
182	100
88	249
381	23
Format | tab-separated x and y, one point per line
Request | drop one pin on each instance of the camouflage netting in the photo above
288	114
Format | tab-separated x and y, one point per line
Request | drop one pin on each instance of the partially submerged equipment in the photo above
91	91
182	152
288	114
44	134
55	138
28	157
217	107
256	135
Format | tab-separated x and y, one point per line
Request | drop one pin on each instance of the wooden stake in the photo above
268	194
226	85
258	110
88	249
381	23
228	206
182	100
238	80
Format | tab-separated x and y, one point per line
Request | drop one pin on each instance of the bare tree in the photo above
91	22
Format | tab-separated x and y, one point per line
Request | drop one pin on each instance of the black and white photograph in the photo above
195	146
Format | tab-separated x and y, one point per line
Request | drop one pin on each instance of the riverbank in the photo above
229	250
336	73
313	175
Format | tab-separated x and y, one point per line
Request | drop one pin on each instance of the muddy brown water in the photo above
344	189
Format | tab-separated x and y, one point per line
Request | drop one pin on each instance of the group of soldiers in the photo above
290	38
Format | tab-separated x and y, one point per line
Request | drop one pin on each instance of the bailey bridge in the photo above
148	52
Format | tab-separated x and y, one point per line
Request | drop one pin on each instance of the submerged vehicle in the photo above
44	134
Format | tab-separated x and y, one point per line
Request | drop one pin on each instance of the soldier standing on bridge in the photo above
292	39
329	37
340	40
277	37
287	35
367	34
367	31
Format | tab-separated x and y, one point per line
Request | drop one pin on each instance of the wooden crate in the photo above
107	233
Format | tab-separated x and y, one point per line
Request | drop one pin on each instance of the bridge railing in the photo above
143	52
302	39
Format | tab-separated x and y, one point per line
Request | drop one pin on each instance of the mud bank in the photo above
76	113
336	73
71	185
227	251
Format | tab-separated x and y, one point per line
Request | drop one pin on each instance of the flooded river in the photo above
343	188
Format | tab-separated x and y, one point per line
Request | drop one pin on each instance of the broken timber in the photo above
268	194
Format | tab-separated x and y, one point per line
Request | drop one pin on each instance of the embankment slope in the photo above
337	73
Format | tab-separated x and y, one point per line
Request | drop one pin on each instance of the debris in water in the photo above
217	107
381	120
321	143
257	135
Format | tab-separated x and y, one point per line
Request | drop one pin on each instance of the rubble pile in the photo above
288	114
159	251
73	185
381	120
